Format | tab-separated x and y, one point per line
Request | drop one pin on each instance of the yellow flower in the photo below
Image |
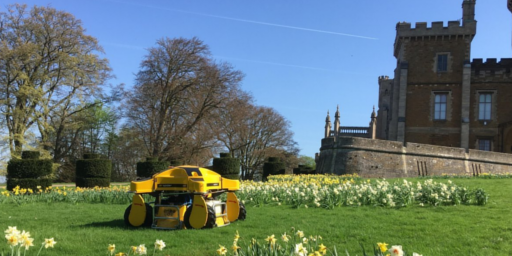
141	249
237	236
300	250
159	244
27	242
300	234
24	235
235	247
322	248
383	247
316	253
134	249
111	248
222	250
120	254
12	239
12	230
271	239
285	237
49	243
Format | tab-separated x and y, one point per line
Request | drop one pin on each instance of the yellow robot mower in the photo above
185	197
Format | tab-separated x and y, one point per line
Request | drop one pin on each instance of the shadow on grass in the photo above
110	224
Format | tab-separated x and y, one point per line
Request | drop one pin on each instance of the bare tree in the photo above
46	62
178	86
253	133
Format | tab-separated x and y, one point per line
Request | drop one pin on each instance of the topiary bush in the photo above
274	166
227	166
29	171
93	171
302	169
151	167
176	162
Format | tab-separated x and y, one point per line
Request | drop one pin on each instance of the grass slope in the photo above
87	229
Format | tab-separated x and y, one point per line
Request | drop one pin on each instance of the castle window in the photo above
484	106
442	62
484	144
440	106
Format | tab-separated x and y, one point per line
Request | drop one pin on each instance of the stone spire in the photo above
337	120
327	125
373	125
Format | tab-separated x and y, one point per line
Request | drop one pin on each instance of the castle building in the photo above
439	114
439	95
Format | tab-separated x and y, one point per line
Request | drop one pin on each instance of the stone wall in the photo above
391	159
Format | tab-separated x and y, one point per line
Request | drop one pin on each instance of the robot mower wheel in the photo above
186	218
148	221
243	212
211	220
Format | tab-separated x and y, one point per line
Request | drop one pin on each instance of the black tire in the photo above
243	213
211	220
148	221
186	218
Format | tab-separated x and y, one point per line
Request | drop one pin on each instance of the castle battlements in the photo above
437	28
491	67
383	78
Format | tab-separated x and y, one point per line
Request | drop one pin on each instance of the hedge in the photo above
93	168
226	165
150	168
92	182
29	168
30	154
273	167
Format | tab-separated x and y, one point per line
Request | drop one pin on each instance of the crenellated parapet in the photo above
491	68
437	31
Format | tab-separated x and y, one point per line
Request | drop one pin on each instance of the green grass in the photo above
87	229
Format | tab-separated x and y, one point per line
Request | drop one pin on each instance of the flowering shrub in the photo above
18	240
329	191
112	195
298	244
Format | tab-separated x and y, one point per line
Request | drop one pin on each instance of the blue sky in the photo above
300	57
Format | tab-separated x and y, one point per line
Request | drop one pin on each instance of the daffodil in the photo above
316	253
141	249
383	247
120	254
27	242
159	244
300	250
396	250
237	236
134	249
111	248
285	237
235	247
222	250
300	234
12	239
416	254
322	248
49	243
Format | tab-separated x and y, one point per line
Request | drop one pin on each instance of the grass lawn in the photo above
87	229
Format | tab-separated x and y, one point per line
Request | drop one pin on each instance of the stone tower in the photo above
432	68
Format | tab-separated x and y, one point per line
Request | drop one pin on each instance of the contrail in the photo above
276	64
289	65
250	21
